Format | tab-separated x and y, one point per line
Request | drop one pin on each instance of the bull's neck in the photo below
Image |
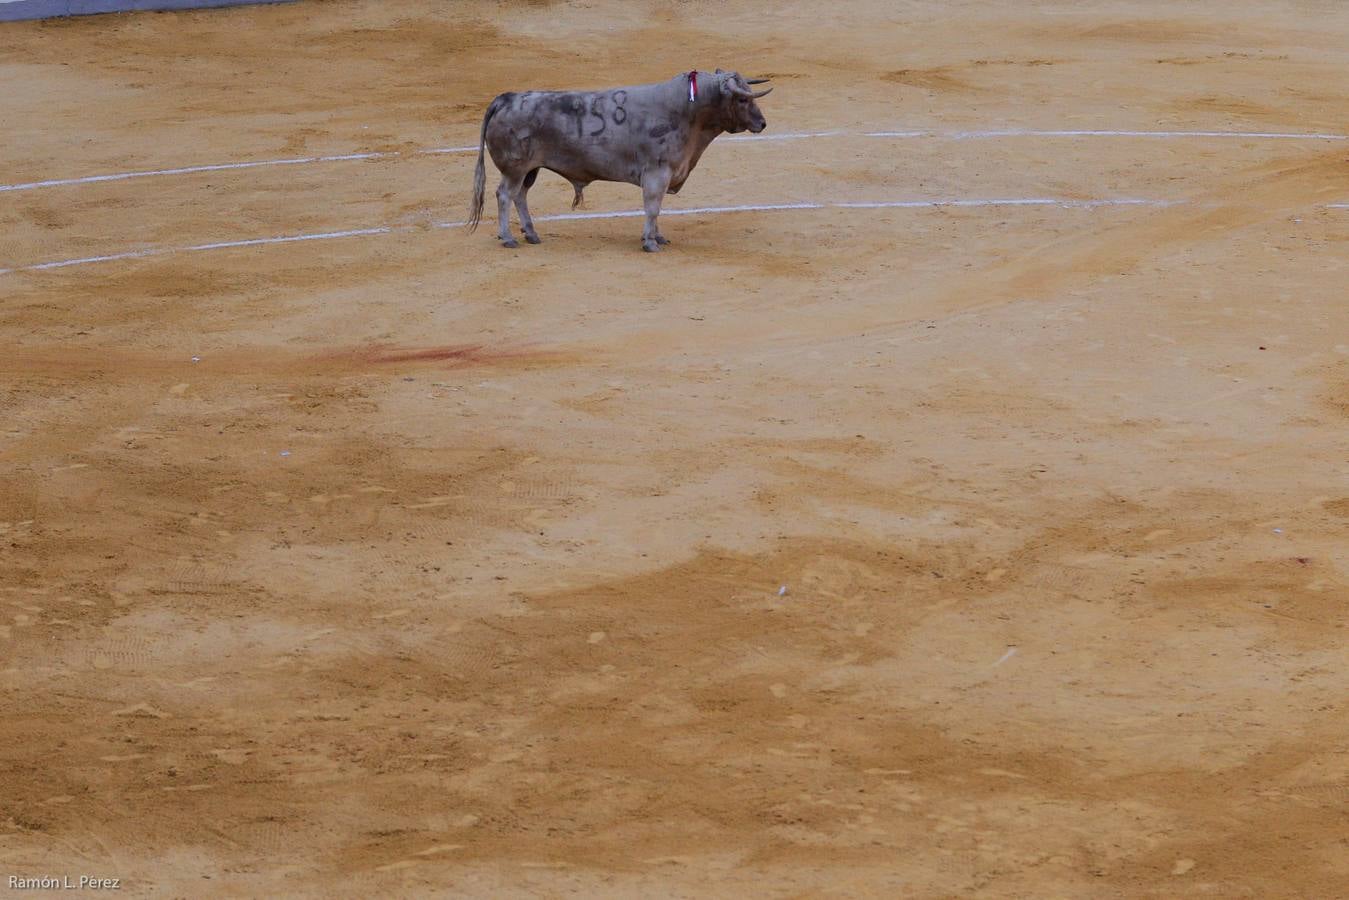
705	129
703	125
701	115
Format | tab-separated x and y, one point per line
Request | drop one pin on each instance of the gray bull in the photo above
650	135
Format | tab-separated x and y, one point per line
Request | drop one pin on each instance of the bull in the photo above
651	135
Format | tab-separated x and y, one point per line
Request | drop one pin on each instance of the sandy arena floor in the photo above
400	563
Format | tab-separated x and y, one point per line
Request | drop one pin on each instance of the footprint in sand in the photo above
234	757
200	578
119	653
143	710
395	866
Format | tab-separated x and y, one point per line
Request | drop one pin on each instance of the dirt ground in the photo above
451	569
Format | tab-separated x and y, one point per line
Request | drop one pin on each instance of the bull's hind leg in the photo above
522	207
506	193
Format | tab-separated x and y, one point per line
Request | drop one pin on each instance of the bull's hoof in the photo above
662	240
534	239
510	243
650	246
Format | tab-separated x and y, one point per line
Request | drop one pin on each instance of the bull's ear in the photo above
720	72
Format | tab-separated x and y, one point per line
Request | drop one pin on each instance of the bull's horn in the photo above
756	81
738	91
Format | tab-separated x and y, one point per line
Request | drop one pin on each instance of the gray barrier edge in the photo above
45	9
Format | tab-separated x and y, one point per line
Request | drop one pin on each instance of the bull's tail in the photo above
480	173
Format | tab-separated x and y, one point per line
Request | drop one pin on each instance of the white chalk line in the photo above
190	170
197	248
224	167
1057	202
786	136
1067	204
852	204
432	151
1022	132
618	214
845	204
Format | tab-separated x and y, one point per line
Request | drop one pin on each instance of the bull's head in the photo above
736	108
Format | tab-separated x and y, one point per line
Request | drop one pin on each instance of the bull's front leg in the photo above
654	184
